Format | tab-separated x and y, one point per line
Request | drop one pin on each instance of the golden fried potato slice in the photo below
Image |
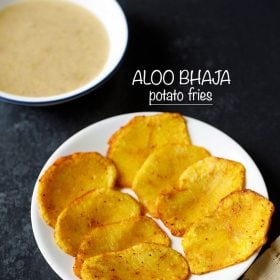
93	209
161	171
232	234
130	145
202	186
117	237
71	176
142	261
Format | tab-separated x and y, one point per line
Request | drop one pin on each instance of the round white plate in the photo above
94	138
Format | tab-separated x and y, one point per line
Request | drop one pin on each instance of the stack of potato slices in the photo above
198	197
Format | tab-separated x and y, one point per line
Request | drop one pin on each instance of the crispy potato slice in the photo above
161	171
130	145
93	209
142	261
202	186
119	236
69	177
232	234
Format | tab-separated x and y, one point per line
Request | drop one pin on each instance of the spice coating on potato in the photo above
93	209
132	144
71	176
231	235
161	171
119	236
202	186
142	261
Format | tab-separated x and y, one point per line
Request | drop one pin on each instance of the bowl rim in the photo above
97	81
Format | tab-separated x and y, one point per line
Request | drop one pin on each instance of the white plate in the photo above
95	138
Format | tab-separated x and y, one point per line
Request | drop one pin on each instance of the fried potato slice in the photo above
93	209
142	261
71	176
161	171
117	237
202	186
232	234
130	145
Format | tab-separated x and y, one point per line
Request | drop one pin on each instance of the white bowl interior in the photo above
113	19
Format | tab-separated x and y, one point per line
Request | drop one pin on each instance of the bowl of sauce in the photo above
52	51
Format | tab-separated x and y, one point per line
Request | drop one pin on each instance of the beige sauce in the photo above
48	47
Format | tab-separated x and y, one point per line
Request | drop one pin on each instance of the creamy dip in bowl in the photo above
52	51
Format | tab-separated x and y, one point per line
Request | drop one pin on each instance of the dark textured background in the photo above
242	37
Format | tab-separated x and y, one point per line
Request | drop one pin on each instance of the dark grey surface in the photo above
241	37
